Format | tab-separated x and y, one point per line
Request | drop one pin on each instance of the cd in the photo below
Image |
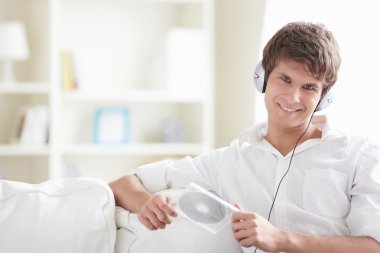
202	208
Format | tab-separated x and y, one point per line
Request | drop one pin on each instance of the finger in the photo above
248	242
241	235
146	223
152	217
242	215
161	215
246	238
239	215
245	243
239	225
164	218
238	206
168	208
163	209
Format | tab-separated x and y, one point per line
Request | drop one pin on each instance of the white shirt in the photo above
331	189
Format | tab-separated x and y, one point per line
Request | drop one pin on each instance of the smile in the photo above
287	108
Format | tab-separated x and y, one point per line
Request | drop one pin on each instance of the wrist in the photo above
287	241
142	197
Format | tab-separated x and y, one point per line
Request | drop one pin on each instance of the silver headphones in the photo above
260	84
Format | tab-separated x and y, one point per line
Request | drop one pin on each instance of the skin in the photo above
291	97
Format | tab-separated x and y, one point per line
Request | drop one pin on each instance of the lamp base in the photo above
7	78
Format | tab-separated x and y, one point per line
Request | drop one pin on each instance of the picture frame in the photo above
111	125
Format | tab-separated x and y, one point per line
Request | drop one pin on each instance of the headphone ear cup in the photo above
259	77
326	101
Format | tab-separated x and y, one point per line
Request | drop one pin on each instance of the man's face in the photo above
291	95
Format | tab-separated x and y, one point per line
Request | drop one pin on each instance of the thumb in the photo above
238	206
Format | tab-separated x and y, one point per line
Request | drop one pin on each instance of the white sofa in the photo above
79	215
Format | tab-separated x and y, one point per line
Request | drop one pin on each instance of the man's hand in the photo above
251	229
155	213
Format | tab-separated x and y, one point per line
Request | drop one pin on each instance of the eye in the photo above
285	79
309	87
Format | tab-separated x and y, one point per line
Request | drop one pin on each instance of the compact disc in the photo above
202	208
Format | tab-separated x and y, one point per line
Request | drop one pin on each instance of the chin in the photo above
287	123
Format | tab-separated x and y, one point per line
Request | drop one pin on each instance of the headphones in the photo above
261	85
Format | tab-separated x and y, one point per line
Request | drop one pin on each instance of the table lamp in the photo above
13	46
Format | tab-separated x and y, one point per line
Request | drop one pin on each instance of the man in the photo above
301	188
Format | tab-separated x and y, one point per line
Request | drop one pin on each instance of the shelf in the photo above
18	150
133	96
134	149
173	1
24	88
146	1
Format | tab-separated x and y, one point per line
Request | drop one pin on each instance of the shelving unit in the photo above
25	88
19	162
17	150
134	96
135	149
120	52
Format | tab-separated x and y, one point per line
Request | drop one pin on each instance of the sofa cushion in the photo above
61	216
180	236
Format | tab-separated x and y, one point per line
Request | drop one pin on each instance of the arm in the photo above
133	192
251	229
315	244
129	193
153	210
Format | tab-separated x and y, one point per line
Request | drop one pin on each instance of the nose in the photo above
294	95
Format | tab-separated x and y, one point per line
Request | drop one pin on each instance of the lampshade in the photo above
13	46
13	43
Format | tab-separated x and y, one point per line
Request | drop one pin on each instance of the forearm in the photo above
129	193
300	243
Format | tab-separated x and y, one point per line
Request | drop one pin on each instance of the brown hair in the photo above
309	44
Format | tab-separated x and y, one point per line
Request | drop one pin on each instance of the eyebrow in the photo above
288	77
285	75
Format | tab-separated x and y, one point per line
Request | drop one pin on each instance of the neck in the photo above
284	140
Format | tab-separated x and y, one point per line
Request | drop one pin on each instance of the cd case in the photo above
204	208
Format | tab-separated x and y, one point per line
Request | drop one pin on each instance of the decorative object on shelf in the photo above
173	131
13	47
30	126
185	63
69	74
112	125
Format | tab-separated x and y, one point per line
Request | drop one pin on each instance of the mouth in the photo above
287	109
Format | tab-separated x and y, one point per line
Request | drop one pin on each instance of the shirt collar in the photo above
319	121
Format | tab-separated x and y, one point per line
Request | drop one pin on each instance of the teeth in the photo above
287	109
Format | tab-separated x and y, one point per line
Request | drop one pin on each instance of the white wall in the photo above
355	25
238	25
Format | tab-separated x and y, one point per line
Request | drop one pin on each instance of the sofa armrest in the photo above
63	216
182	235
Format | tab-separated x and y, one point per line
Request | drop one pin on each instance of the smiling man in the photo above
300	187
291	98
